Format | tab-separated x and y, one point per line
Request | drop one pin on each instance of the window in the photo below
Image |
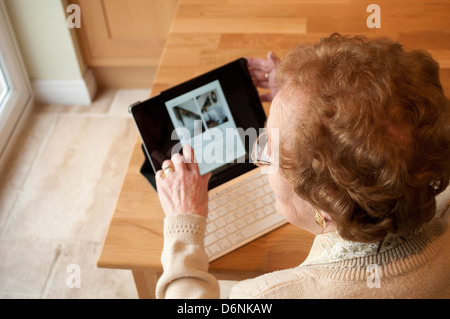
16	99
4	88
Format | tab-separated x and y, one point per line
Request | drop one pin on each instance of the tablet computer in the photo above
218	113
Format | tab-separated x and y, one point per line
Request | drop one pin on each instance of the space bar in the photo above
260	225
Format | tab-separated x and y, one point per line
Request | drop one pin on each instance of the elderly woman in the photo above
364	148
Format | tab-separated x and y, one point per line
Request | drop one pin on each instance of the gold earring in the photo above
320	220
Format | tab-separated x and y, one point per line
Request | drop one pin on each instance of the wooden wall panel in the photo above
117	33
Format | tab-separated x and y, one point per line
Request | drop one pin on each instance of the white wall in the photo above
51	52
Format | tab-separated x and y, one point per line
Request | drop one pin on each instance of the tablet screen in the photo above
218	114
202	119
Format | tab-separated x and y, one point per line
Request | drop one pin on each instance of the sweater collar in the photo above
331	247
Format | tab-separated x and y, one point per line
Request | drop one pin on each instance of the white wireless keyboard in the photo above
240	214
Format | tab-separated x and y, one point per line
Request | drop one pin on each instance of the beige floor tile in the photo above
8	198
125	97
21	161
25	266
75	275
26	150
71	190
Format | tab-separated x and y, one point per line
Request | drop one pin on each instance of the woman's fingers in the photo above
265	65
181	189
178	162
167	167
263	73
259	64
159	174
189	158
273	58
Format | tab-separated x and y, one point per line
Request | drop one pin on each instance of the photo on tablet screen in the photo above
213	111
187	115
202	118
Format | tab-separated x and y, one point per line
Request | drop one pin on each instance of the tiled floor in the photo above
57	195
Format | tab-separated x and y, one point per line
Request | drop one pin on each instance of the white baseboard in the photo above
78	92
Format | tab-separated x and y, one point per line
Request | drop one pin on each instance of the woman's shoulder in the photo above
271	285
399	267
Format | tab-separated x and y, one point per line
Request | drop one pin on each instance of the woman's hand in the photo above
181	188
263	74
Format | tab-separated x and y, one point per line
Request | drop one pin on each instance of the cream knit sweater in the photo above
416	267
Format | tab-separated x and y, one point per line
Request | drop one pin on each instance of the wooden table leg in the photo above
145	283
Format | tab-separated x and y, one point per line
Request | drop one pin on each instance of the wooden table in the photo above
208	33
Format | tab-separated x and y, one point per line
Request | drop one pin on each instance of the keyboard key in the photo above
231	206
267	189
249	208
212	205
269	210
212	216
240	192
259	225
258	183
236	238
230	218
241	201
222	211
250	197
267	199
221	233
241	223
259	192
259	214
258	204
230	197
214	249
211	238
239	213
224	244
230	228
249	187
250	219
210	227
221	201
220	222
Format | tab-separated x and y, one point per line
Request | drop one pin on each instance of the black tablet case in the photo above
147	169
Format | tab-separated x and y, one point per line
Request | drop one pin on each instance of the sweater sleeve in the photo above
184	260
